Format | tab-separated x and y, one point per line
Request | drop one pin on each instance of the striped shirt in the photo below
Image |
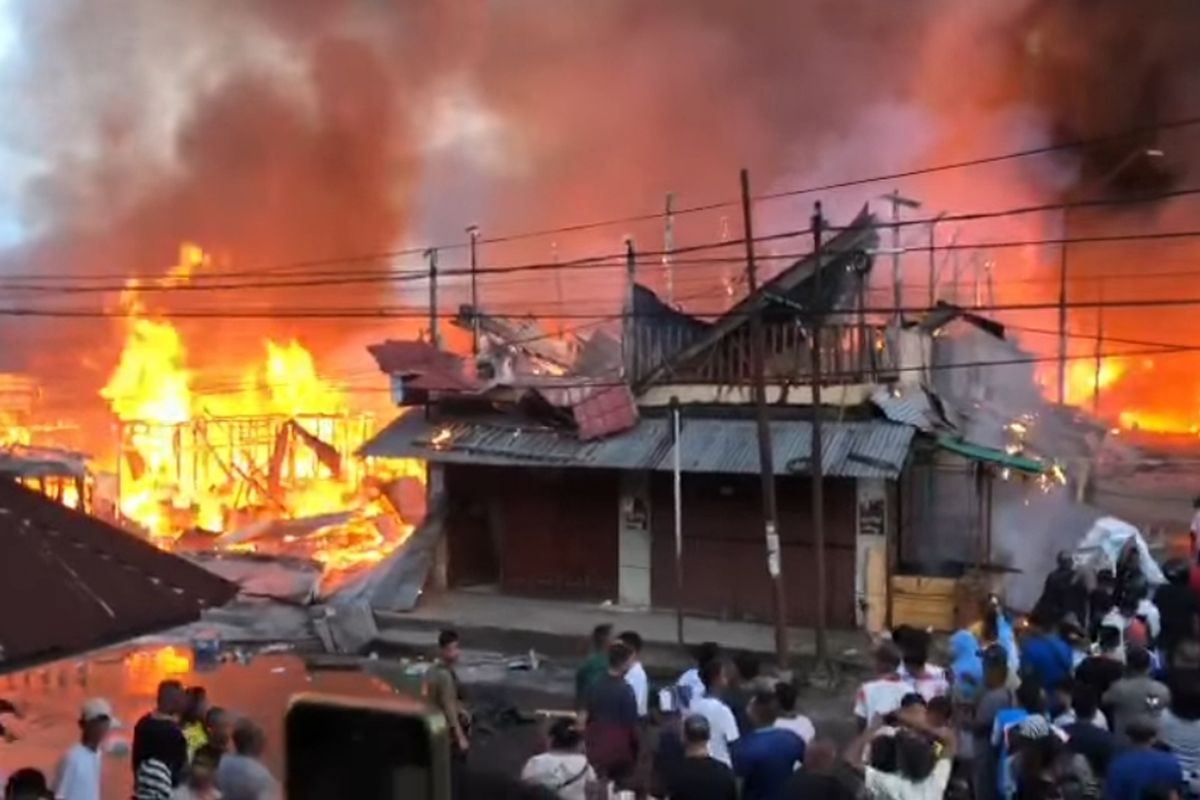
153	781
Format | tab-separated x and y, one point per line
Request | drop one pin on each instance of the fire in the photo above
1083	380
248	467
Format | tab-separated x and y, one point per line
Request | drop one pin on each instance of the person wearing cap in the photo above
1142	766
1136	694
78	774
700	776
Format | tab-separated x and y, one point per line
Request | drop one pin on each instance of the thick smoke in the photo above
281	131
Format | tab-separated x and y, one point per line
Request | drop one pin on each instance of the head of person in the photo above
915	758
1041	621
714	677
1186	655
747	667
995	666
1137	661
27	784
195	704
632	640
1031	697
1072	632
1142	731
696	733
1085	702
620	657
785	698
248	739
170	698
1059	699
602	636
764	707
1064	562
914	649
218	724
913	709
564	736
706	652
883	753
820	757
1109	639
95	721
887	658
1106	578
939	711
448	647
202	774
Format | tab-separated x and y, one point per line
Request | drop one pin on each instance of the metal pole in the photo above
897	292
932	263
818	451
669	247
676	431
473	232
629	323
1099	353
1062	310
434	338
765	454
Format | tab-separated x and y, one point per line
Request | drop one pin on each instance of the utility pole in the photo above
558	290
1062	308
1099	353
629	322
933	259
818	451
473	232
765	455
669	248
897	200
434	338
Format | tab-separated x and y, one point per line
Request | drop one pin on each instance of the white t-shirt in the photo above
890	786
1068	718
880	697
565	774
929	684
78	776
722	727
635	676
691	681
800	725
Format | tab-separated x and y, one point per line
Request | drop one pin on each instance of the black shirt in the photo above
738	698
1178	608
702	779
161	739
1093	743
1099	672
805	785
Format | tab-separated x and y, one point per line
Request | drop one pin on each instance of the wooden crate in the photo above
924	602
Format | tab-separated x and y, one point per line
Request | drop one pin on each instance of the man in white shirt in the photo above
722	725
78	775
636	675
689	683
881	696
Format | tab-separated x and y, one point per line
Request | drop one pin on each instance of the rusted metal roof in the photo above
70	582
873	449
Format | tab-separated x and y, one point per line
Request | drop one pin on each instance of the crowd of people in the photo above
1095	695
184	749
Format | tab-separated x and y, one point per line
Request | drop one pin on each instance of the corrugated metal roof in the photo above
70	582
875	449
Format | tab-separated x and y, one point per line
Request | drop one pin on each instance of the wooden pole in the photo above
434	338
817	478
676	435
473	232
765	455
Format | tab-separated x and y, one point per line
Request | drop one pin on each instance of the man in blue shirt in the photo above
1142	767
766	757
1044	654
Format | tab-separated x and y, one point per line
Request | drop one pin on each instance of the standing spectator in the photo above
817	779
444	692
1064	591
741	689
1179	730
765	758
78	776
700	776
1043	652
563	768
1043	766
1142	767
1031	702
689	684
789	718
595	665
218	727
882	695
241	775
920	772
1177	607
1087	729
635	676
1136	695
201	781
1105	668
159	749
995	698
1082	706
191	721
27	784
722	724
927	680
611	719
966	666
